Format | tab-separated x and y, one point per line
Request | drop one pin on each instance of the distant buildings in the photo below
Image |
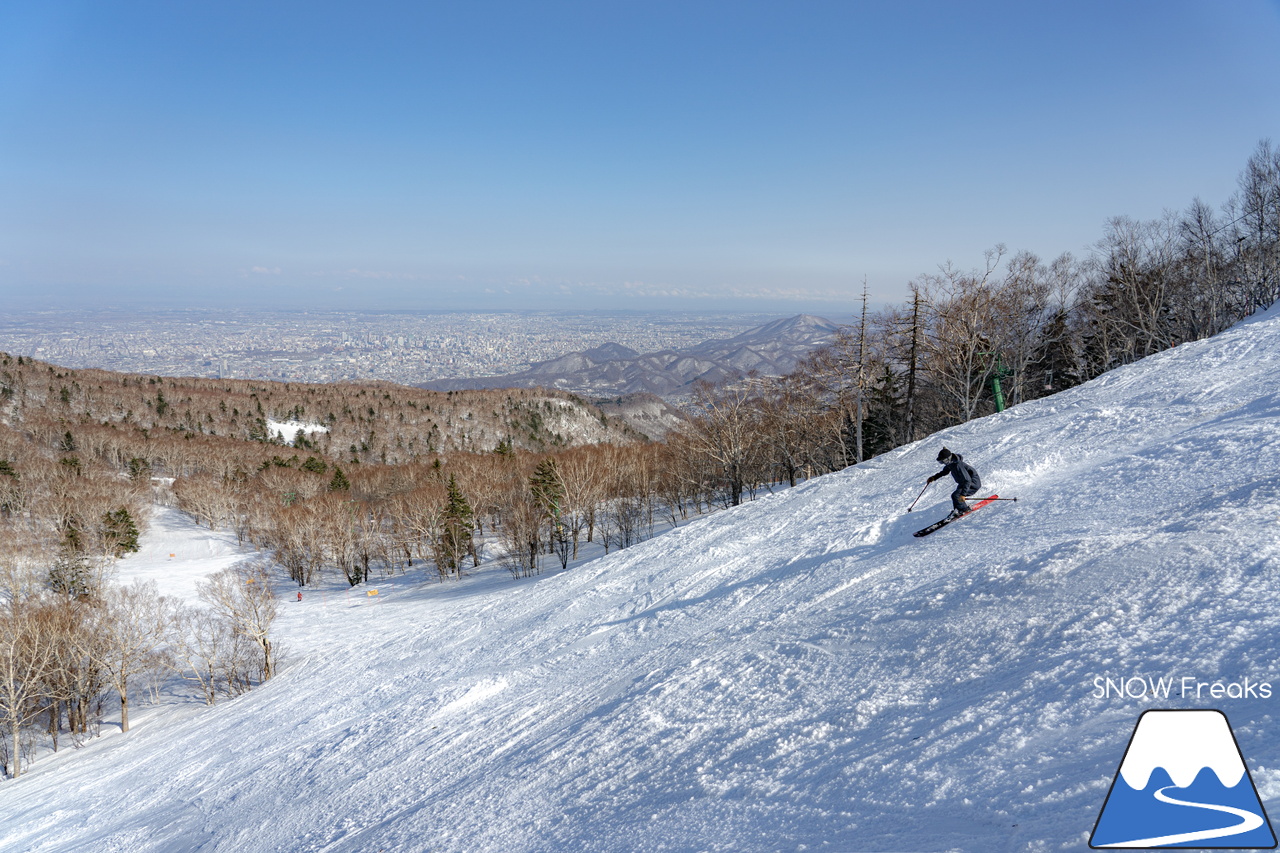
327	347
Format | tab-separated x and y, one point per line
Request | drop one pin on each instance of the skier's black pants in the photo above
958	496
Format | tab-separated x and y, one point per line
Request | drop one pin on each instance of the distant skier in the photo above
967	480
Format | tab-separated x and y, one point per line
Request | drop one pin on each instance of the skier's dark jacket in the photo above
964	475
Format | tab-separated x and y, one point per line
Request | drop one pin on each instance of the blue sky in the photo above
761	156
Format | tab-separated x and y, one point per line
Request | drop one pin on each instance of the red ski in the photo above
979	505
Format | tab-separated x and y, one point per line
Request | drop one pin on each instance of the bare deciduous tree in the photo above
245	597
133	624
211	654
521	529
28	656
722	428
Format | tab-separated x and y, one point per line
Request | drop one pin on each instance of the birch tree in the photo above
245	598
134	623
28	655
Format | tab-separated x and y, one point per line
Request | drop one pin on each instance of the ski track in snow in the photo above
796	673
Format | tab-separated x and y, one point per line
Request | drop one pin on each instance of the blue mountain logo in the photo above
1183	783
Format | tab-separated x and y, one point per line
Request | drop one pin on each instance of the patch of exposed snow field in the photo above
287	431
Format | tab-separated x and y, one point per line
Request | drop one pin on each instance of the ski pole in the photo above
919	496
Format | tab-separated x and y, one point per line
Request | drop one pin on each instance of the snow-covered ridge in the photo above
796	673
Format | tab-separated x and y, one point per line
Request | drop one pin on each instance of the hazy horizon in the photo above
752	157
315	345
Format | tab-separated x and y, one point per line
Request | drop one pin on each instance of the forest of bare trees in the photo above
401	479
63	657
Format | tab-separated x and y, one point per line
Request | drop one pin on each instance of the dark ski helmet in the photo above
944	456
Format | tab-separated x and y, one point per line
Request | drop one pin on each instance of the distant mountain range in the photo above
612	370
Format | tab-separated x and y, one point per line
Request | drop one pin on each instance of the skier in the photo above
967	480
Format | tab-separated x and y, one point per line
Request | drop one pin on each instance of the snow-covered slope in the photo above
798	673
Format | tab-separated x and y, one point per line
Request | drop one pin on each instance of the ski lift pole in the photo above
998	372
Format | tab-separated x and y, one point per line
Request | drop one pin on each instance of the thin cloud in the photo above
373	275
259	270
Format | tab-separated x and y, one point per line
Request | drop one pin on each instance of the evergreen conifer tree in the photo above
547	486
119	532
548	490
71	574
457	529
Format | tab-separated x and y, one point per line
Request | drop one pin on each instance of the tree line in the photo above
526	509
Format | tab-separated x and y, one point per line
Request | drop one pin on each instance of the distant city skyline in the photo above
333	346
761	157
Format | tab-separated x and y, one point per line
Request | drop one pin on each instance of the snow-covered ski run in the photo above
798	673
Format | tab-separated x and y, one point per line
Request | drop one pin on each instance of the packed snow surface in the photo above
799	673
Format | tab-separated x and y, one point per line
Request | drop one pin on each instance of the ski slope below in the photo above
799	673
